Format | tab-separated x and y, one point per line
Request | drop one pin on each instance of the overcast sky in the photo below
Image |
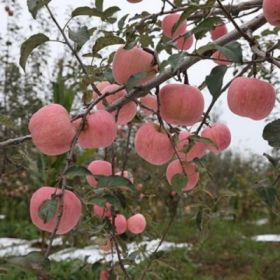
246	133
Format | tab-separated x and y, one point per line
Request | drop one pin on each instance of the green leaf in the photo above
187	12
121	22
35	5
268	194
86	11
134	79
77	171
29	45
232	51
113	181
106	41
205	26
214	80
34	262
48	209
111	11
271	133
99	5
80	36
179	181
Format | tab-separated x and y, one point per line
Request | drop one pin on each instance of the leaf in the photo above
121	22
187	12
134	79
268	194
205	26
48	209
179	181
86	11
232	51
35	5
80	36
214	80
271	133
29	45
113	181
99	5
106	41
111	11
77	171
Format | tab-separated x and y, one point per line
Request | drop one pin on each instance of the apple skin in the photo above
184	44
219	134
168	23
218	31
100	130
134	1
72	209
152	144
175	167
136	224
149	101
126	112
181	104
120	224
127	63
51	130
251	98
271	11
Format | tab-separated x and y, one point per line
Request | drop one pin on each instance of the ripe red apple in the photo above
120	224
152	144
51	130
169	21
190	169
218	31
185	43
98	167
99	132
250	97
220	58
149	101
127	112
219	134
181	104
196	151
72	209
136	224
271	11
127	63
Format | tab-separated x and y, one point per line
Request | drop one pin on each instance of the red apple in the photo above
72	209
251	97
152	144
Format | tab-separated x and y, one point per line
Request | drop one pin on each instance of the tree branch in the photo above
15	141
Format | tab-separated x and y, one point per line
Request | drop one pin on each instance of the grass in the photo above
223	250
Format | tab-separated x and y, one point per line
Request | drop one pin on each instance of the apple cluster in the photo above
181	105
